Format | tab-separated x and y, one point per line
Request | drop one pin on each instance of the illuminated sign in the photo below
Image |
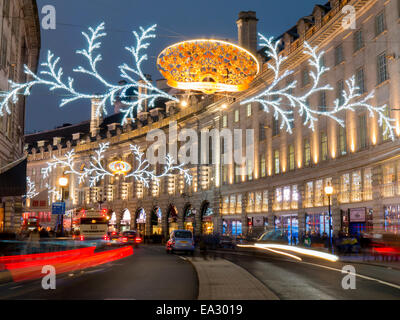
120	167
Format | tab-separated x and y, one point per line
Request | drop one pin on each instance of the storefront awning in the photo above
13	179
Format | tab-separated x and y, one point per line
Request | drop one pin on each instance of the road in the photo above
151	274
148	274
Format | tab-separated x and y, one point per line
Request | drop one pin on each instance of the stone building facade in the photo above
285	186
20	45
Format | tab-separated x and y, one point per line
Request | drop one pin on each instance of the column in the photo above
378	215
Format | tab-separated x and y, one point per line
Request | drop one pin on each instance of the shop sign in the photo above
207	219
357	215
258	221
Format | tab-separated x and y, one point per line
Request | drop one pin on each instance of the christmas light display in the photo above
52	77
52	192
276	96
31	192
95	171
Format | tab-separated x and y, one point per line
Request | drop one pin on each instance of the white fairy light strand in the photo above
52	77
31	192
52	191
272	97
96	172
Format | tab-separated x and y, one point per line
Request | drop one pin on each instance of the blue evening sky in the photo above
177	20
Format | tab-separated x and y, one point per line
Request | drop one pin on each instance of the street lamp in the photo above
63	182
329	192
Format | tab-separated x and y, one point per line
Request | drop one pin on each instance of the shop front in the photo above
112	225
126	221
207	214
288	225
357	221
232	227
141	221
156	221
392	219
172	219
317	223
190	219
33	220
257	225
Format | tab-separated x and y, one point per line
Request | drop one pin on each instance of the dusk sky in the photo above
177	20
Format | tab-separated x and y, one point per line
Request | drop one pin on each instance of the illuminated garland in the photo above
52	191
96	171
31	192
273	97
52	77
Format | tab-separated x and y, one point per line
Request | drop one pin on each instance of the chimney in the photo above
247	30
96	117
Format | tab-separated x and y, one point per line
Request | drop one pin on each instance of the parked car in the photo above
227	242
130	237
180	240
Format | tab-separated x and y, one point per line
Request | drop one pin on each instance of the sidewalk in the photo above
370	260
222	280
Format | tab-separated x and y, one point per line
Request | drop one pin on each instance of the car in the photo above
180	240
130	237
227	242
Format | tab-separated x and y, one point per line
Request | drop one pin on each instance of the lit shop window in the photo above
309	195
155	188
233	204
356	187
278	199
263	166
225	205
295	197
258	202
388	180
307	152
265	201
110	193
239	204
139	190
276	162
249	110
171	185
345	188
319	193
250	202
368	184
286	198
291	158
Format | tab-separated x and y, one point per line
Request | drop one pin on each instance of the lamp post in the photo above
329	192
63	182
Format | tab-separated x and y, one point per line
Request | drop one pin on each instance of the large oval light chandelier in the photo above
208	66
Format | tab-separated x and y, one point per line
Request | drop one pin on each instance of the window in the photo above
382	68
278	199
224	121
360	80
339	91
291	158
339	58
342	140
276	162
345	188
262	166
358	40
368	184
305	77
249	110
250	202
307	152
389	179
237	117
262	132
380	23
324	146
309	195
232	207
356	187
265	201
295	197
258	203
224	169
319	193
385	130
286	198
362	131
275	127
249	170
322	101
3	54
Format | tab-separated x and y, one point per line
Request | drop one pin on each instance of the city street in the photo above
151	274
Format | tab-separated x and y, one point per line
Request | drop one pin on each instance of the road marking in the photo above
13	288
358	275
183	258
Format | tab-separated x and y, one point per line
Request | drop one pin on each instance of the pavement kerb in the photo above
221	279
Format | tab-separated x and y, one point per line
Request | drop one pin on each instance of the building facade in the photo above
284	186
20	45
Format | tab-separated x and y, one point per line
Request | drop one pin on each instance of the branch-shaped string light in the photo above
52	191
273	98
52	77
31	192
95	171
